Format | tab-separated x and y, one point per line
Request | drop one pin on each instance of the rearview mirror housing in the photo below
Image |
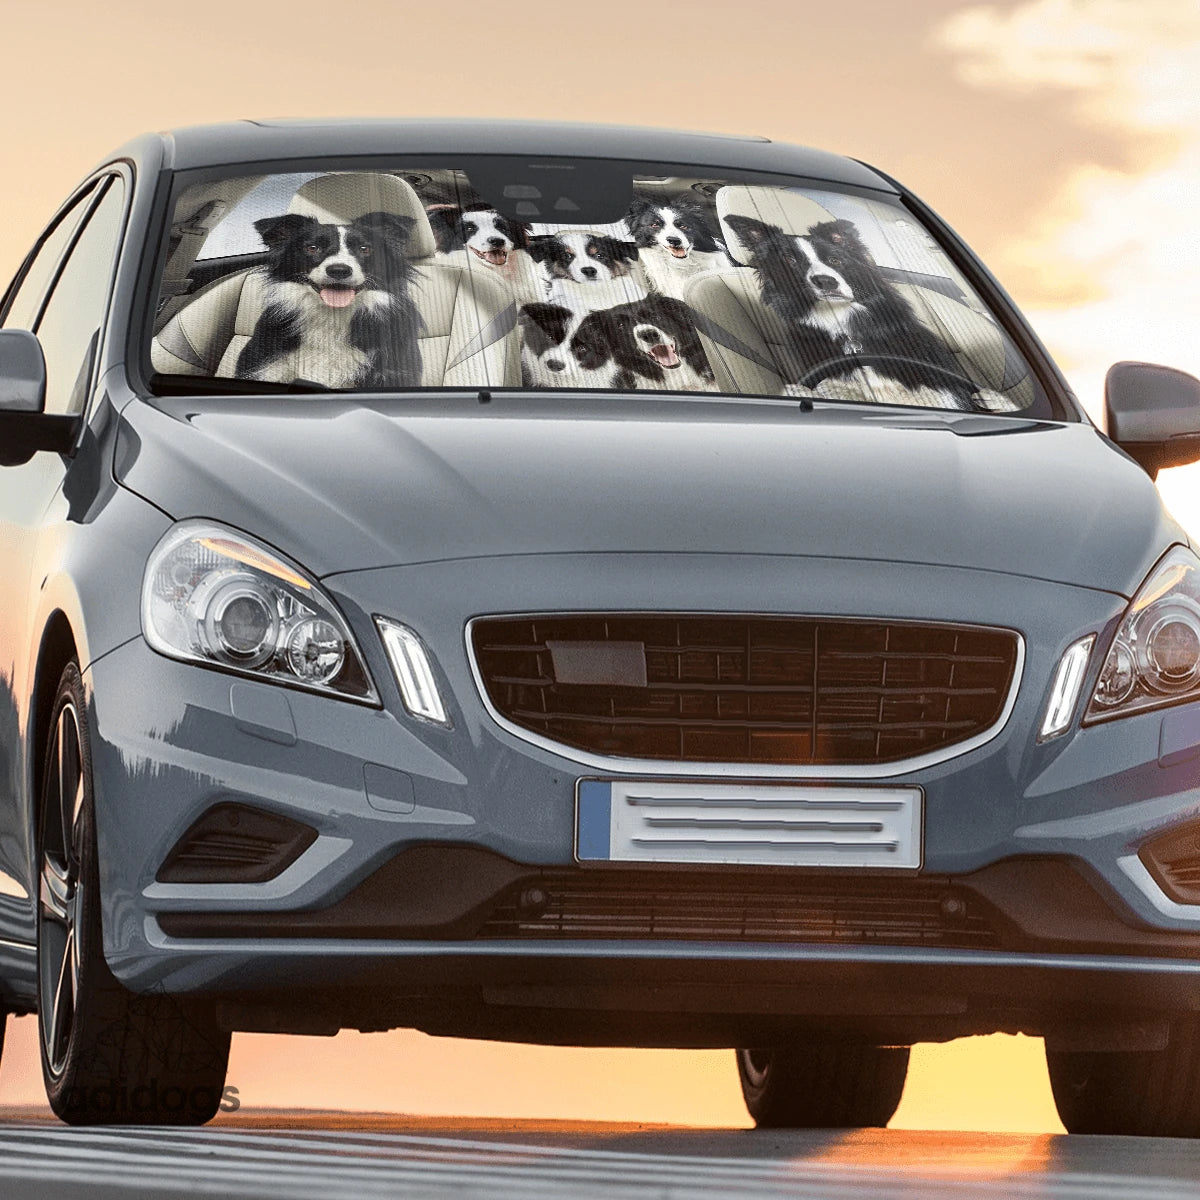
25	428
1153	414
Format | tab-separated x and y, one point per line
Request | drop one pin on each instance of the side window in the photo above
25	301
70	326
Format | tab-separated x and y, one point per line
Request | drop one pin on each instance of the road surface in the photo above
331	1156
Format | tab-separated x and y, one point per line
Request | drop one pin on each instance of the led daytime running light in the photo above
410	665
1068	683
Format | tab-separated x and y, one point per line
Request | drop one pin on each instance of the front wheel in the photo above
1143	1093
823	1085
108	1056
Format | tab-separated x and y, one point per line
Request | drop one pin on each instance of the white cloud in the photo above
1131	63
1131	67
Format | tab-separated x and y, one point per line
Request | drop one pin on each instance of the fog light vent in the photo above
1174	861
234	843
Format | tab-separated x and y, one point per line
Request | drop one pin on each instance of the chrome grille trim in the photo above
744	770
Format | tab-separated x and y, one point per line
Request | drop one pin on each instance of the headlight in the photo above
212	595
1154	659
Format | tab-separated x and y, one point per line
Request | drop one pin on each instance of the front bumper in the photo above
169	742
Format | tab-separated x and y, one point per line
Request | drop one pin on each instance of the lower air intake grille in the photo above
745	689
735	908
235	843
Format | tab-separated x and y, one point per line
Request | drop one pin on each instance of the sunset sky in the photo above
1060	137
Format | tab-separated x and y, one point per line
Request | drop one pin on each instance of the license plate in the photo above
798	825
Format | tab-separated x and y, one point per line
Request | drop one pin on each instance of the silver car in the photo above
588	586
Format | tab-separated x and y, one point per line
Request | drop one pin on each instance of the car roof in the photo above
256	141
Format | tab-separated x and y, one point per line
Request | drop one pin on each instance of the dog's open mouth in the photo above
664	355
678	251
336	296
496	257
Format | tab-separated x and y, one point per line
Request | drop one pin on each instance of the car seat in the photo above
470	337
752	350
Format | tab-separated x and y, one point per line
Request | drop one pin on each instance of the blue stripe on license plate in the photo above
594	820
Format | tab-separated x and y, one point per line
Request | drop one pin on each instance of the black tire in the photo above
109	1056
1141	1093
823	1085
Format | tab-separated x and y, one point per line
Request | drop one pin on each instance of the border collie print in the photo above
479	228
583	257
337	310
829	291
651	343
481	238
546	360
678	228
675	243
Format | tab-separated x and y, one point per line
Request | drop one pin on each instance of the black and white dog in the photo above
586	271
675	243
482	238
650	343
839	306
337	310
584	257
546	359
479	228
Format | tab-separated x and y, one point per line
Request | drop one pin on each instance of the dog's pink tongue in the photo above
665	355
679	251
338	297
496	257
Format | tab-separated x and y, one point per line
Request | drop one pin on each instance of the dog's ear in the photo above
443	220
274	231
844	233
522	231
392	227
591	344
752	232
675	311
622	251
551	321
541	247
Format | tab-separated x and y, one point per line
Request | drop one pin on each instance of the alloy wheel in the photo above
60	895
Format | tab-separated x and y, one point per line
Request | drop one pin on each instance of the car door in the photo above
61	294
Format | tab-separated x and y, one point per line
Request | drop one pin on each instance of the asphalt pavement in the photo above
331	1156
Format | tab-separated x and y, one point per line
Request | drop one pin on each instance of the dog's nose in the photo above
555	364
339	271
588	272
824	283
674	241
498	242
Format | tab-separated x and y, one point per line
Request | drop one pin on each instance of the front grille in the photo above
742	908
745	689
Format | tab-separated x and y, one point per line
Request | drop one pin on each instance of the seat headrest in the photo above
342	197
792	211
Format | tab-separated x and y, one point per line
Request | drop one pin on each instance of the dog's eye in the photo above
363	251
312	248
593	251
656	224
791	260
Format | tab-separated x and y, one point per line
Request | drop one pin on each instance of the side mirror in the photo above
24	427
1153	414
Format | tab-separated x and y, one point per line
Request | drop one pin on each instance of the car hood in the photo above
342	485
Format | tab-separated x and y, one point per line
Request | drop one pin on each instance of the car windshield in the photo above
576	275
